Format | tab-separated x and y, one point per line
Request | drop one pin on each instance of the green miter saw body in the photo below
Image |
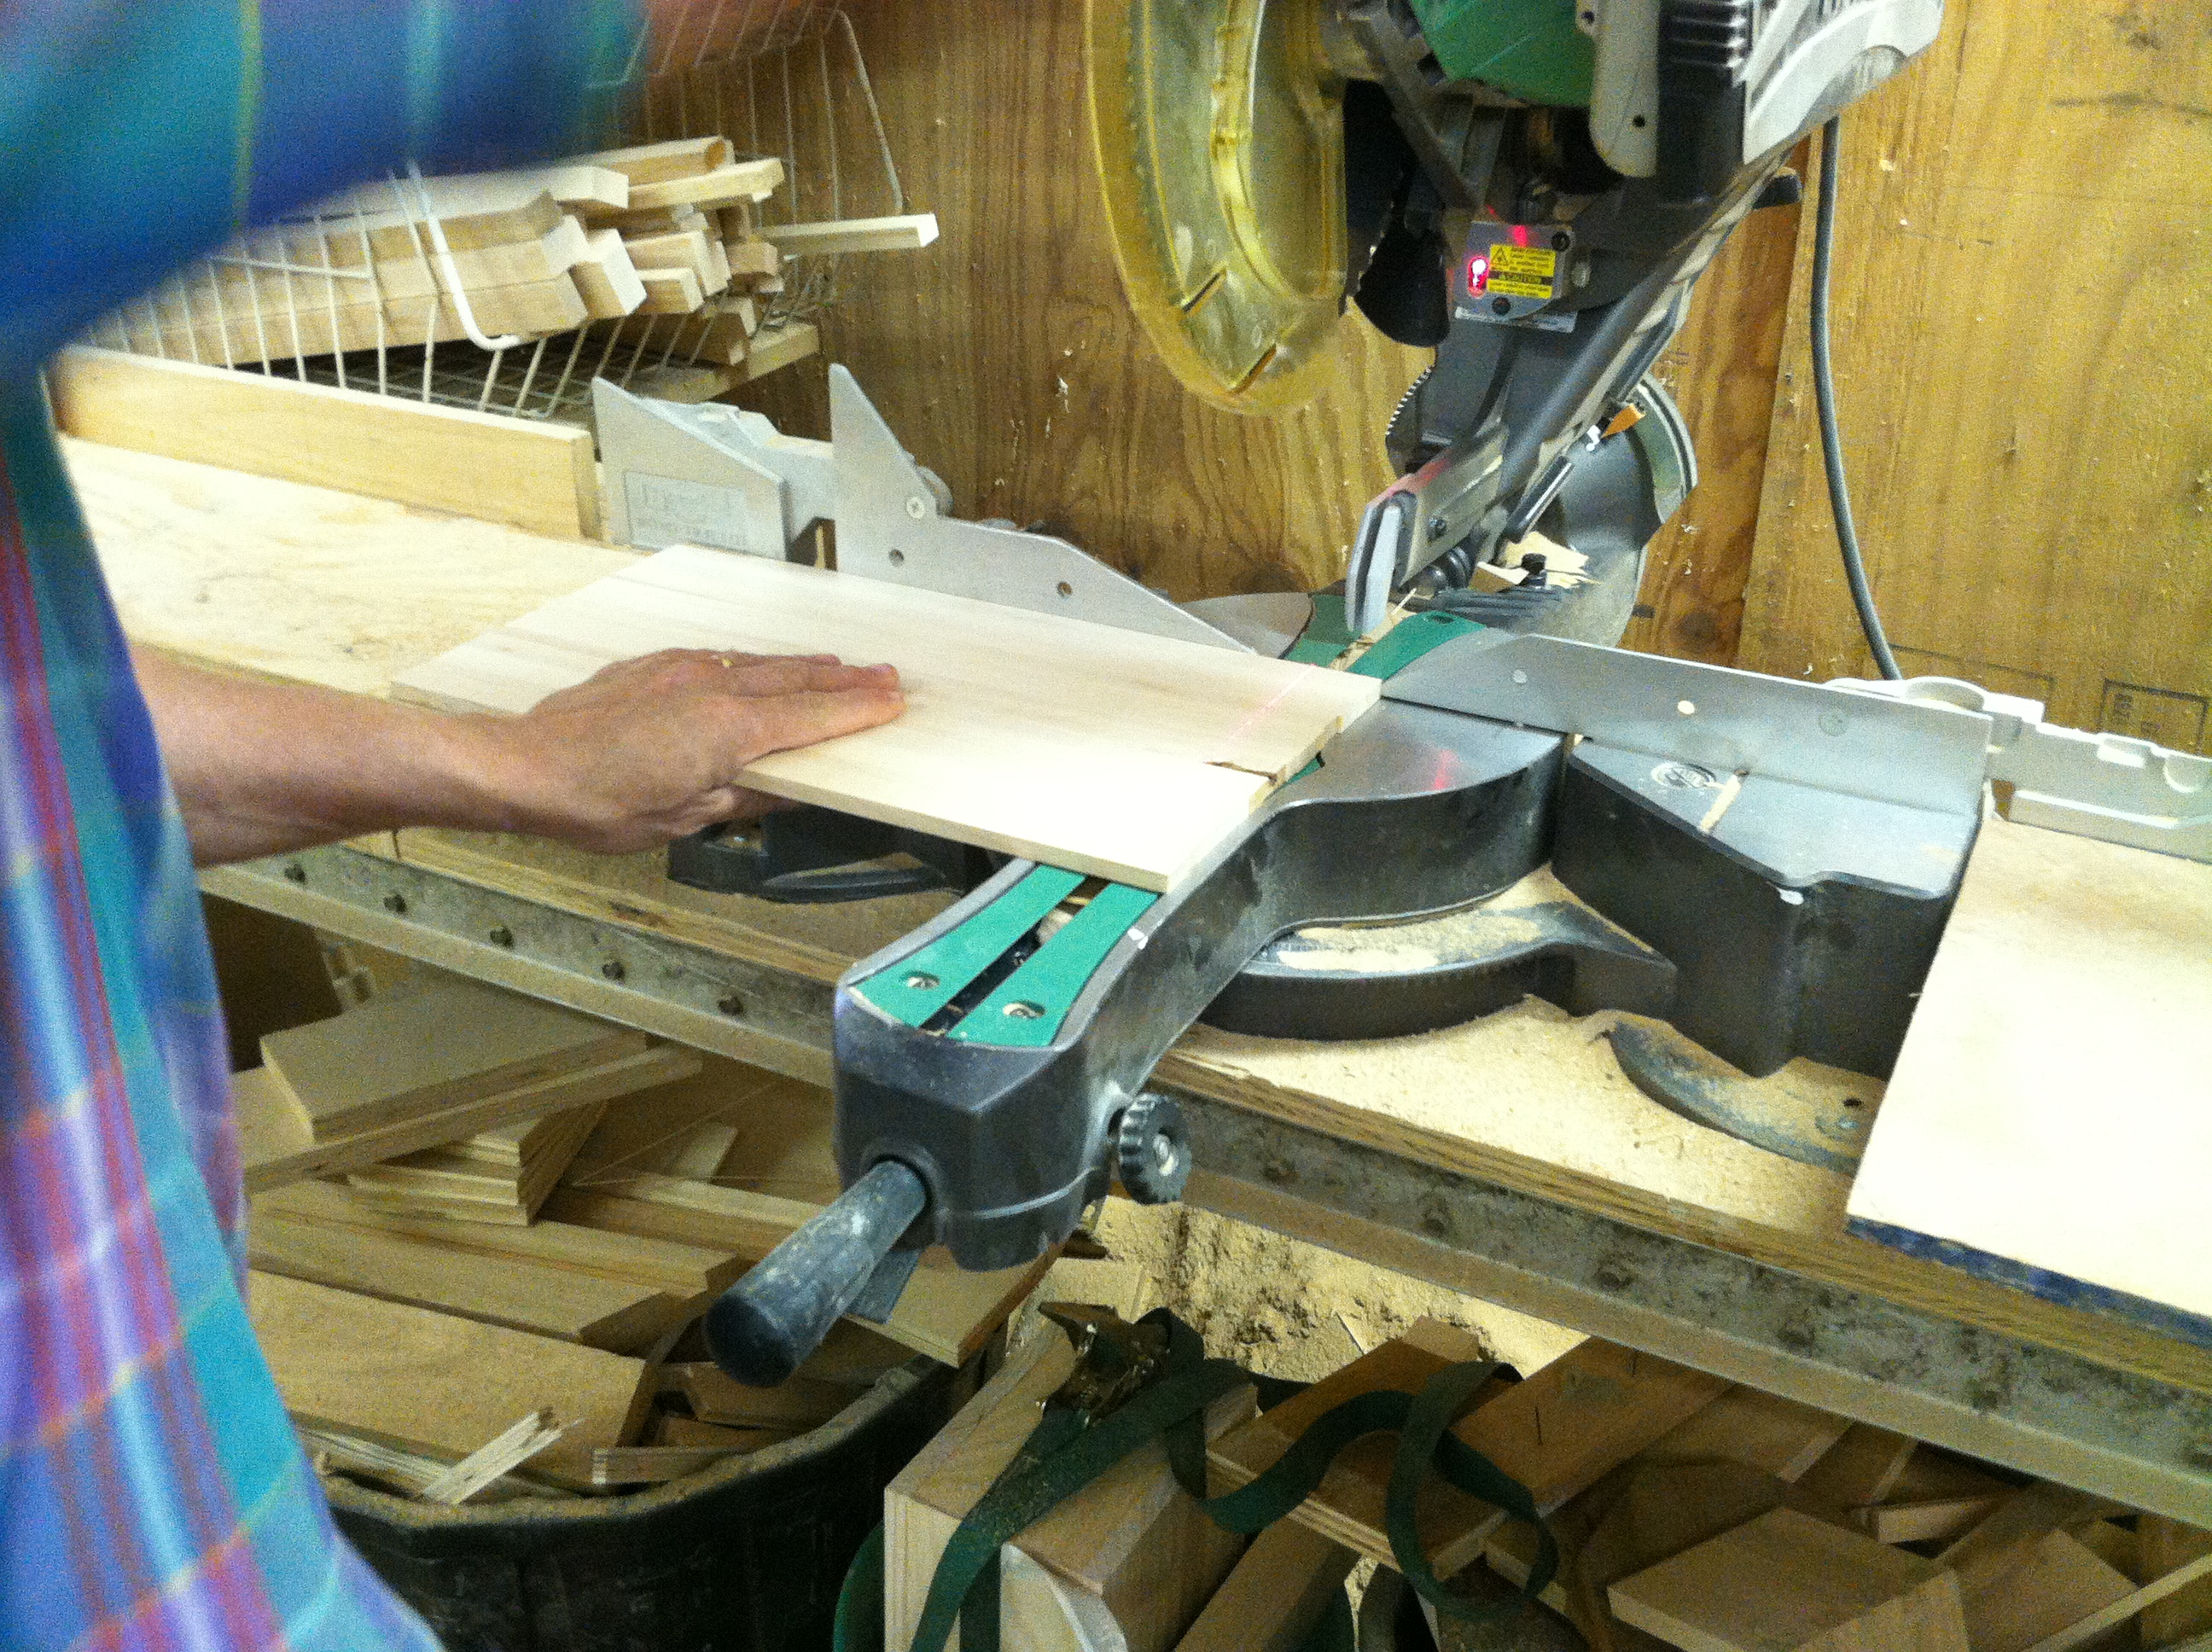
1529	187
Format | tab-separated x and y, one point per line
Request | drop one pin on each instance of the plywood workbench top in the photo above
250	574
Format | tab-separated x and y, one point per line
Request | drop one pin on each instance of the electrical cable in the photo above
1824	394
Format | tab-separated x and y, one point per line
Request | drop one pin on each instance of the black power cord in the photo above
1824	393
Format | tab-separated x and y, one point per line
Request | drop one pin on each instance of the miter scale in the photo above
1529	188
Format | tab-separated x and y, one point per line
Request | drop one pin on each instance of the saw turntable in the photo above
1529	187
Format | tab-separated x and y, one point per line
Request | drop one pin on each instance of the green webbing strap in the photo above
859	1625
1022	1498
1063	1456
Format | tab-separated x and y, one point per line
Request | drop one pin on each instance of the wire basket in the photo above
778	77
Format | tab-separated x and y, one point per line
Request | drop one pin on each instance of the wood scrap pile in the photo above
654	231
483	1228
1690	1513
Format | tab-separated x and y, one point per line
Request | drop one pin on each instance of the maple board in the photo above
1106	751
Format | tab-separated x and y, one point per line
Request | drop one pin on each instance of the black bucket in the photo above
744	1557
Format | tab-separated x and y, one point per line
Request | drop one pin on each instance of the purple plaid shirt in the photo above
152	1493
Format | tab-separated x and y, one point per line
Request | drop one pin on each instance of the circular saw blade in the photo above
1218	135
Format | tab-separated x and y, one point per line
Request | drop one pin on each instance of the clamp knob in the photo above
1151	1150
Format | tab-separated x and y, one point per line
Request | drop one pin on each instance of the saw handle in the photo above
765	1324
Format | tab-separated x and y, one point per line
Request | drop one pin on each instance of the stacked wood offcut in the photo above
484	1228
668	233
1690	1513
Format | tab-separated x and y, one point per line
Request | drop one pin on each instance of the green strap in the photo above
1063	1457
859	1626
1019	1500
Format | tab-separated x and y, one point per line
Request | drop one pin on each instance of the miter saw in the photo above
1529	187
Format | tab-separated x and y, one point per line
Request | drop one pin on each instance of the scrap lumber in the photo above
1764	1431
2166	1545
547	1302
173	322
2098	1624
430	1383
501	1175
606	277
653	163
1860	1468
1557	1433
474	211
1927	1520
494	1459
904	232
397	1059
717	1397
1665	1509
752	180
1274	1595
1788	1582
779	346
537	476
277	1149
692	1273
1145	754
2057	1585
1131	1556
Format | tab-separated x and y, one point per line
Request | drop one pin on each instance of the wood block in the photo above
181	323
1859	1468
613	1465
772	347
671	291
750	179
536	475
277	1149
399	1059
431	1382
503	1176
2094	1627
606	278
1788	1582
547	1302
1930	1520
752	257
582	185
1145	754
653	163
474	211
672	1431
1980	1158
2002	1539
505	264
1666	1510
655	221
717	1397
897	234
1274	1595
684	250
1131	1546
1764	1431
1348	1505
689	385
2166	1544
2059	1585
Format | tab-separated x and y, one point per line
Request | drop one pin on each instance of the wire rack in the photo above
777	77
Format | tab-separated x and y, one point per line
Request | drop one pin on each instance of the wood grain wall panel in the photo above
2023	253
1007	357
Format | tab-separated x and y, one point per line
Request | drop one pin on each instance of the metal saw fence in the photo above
780	77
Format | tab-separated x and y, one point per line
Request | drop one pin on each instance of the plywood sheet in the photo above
1107	751
2010	1143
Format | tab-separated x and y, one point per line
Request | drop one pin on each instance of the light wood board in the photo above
1103	750
277	1147
534	474
450	1042
1786	1582
408	1377
2009	1144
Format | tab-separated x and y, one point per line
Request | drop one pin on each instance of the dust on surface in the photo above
1275	1305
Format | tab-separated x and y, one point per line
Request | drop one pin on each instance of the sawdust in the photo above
1274	1304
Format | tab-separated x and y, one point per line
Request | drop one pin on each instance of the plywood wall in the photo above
2024	329
1008	361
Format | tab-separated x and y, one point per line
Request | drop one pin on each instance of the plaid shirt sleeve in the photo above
152	1493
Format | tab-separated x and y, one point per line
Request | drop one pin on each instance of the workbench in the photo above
1508	1158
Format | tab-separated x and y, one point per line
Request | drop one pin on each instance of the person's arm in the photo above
647	750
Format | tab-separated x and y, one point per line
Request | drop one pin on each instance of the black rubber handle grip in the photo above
762	1327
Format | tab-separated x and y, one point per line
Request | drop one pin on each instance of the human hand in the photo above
651	748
